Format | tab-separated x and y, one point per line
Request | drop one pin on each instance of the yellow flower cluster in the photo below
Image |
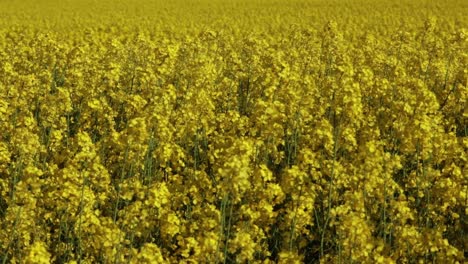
211	131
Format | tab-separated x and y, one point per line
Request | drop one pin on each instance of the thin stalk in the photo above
228	233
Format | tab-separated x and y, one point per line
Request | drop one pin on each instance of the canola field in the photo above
236	131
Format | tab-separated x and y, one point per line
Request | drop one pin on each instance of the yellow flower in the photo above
38	254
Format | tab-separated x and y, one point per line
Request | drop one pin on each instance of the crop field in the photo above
235	131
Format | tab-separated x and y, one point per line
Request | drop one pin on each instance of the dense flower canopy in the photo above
233	131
